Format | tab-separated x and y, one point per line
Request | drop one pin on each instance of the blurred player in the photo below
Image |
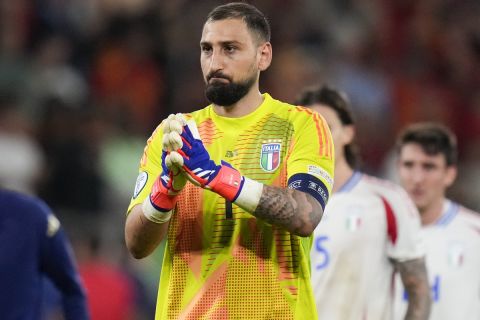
33	246
427	166
370	228
238	239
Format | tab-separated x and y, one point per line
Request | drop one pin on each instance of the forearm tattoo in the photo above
415	280
296	211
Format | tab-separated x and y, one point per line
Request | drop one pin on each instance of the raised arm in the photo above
293	210
142	236
147	222
415	280
297	209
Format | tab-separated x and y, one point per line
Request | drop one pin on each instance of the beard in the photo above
227	94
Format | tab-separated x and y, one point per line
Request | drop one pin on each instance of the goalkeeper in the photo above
237	188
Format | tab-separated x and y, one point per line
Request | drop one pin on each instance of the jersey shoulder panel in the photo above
25	204
200	114
382	185
470	217
30	212
390	191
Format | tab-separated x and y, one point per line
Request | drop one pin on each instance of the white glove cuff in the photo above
250	195
153	214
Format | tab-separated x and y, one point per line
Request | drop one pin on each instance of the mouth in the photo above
213	80
217	76
416	193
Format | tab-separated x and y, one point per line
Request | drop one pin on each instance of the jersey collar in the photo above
351	182
250	118
450	210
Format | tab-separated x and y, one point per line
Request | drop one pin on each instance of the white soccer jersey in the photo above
452	247
366	223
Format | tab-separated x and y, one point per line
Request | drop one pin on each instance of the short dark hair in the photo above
434	138
253	18
338	102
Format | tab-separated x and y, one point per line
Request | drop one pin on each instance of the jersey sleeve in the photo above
403	226
149	169
58	264
310	162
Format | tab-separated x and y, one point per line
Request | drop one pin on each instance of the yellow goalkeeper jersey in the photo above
222	262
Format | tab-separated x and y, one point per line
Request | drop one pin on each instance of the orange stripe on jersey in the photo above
330	141
324	143
293	290
304	109
325	150
327	135
189	209
208	130
211	299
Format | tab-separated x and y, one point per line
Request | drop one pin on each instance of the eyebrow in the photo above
223	43
429	164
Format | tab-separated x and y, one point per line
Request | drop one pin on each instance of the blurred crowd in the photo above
83	83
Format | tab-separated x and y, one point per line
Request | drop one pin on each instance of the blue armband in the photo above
310	184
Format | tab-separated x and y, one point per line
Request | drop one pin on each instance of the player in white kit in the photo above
370	228
427	166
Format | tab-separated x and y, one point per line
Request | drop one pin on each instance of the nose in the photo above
417	175
216	61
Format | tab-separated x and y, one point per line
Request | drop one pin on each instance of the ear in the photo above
265	56
450	176
348	133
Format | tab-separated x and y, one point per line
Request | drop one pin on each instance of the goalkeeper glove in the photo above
222	179
163	197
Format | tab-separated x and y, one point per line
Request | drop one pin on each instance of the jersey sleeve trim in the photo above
392	229
325	144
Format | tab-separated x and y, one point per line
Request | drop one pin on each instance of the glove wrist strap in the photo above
234	187
249	195
158	206
227	183
154	215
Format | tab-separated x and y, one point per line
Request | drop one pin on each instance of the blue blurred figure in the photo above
33	247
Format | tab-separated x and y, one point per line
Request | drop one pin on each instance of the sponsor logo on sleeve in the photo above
321	173
140	184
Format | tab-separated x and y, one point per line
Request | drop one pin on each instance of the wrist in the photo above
234	187
161	198
249	195
153	214
227	183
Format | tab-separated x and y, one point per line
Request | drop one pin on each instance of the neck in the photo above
431	213
343	172
249	103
